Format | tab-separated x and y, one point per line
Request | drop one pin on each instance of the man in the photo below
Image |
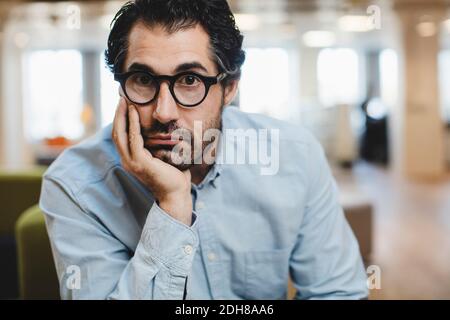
137	212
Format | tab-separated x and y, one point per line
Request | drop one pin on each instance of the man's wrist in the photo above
178	206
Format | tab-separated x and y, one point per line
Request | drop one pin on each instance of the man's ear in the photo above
230	91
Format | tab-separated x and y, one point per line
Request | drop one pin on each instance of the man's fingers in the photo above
119	133
135	138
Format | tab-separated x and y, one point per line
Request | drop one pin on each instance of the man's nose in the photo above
166	109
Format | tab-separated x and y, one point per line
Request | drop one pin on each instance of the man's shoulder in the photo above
86	162
288	153
233	118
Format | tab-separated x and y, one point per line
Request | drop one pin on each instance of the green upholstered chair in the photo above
18	191
37	274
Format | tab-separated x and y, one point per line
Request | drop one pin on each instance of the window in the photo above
109	93
444	79
53	100
389	77
265	82
338	77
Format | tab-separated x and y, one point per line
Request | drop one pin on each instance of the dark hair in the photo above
214	16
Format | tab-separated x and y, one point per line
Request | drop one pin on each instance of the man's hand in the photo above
170	186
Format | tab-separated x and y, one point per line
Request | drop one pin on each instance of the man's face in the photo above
166	54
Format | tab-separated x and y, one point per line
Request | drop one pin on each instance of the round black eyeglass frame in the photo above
208	81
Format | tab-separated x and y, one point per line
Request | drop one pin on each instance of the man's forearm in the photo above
162	260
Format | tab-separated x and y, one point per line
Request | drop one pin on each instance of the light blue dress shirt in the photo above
251	232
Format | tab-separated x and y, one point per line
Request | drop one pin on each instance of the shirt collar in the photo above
216	169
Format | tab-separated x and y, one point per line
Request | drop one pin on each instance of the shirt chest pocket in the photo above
261	274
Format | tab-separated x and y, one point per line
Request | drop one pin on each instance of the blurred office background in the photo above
370	79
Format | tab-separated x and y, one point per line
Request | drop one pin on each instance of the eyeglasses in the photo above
189	89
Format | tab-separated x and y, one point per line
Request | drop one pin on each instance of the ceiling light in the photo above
356	23
426	29
319	39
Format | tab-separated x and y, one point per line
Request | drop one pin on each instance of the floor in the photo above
411	239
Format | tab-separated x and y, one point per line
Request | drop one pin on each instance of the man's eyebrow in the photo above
140	67
189	66
181	68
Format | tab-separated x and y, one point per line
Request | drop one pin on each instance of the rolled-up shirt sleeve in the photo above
326	262
107	269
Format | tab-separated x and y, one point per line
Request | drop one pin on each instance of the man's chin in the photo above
169	157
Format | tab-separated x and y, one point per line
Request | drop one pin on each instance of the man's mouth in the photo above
161	140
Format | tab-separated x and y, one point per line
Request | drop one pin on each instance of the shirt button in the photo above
188	250
211	256
200	205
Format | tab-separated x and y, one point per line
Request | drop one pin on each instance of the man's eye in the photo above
189	80
144	80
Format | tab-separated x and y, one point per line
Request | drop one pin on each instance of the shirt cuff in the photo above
169	241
